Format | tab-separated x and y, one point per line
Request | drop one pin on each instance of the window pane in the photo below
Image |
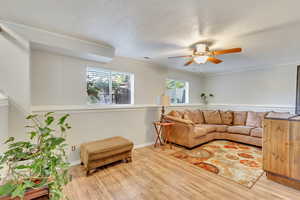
107	87
177	91
121	88
98	87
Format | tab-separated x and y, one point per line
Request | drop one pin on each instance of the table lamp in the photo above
164	102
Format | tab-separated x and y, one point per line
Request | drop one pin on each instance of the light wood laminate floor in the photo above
155	175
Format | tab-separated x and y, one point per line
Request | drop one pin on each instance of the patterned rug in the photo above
237	162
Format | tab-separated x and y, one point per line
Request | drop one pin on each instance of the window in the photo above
178	91
109	87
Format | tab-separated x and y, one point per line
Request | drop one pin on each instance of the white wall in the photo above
15	78
271	86
61	80
15	69
3	120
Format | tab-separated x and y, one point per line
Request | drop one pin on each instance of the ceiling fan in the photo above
201	54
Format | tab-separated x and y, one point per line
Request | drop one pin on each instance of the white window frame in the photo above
132	85
187	88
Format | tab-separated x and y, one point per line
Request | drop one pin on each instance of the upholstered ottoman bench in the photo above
102	152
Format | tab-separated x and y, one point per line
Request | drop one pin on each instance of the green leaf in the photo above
49	120
63	119
22	167
45	131
31	116
20	144
68	126
32	134
48	113
56	141
28	184
63	129
10	139
19	191
7	189
29	126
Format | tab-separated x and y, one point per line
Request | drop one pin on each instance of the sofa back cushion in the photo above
279	115
227	117
175	113
195	116
255	119
239	118
212	117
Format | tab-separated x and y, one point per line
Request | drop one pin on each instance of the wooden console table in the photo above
161	129
281	150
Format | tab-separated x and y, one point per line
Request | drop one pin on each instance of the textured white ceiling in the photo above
268	31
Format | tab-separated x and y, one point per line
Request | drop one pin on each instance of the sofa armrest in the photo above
178	120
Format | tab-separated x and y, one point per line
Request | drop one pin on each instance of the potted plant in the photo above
204	97
38	163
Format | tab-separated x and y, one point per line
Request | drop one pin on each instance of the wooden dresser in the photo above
281	150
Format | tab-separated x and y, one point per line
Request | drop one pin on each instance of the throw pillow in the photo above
212	117
195	116
239	118
255	119
227	117
279	115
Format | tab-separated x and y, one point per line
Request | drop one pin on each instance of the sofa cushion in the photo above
199	131
227	117
207	127
195	116
212	117
279	115
256	132
175	113
244	130
179	120
255	119
219	128
239	118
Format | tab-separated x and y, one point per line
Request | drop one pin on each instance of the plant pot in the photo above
33	194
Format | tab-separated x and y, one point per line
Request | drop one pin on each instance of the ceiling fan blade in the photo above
187	56
189	62
226	51
214	60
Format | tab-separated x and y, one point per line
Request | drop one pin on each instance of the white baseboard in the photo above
77	162
143	145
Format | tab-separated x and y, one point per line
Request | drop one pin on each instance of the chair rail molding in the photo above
107	108
154	107
252	107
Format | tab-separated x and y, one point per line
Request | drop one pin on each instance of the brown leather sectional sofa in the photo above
195	127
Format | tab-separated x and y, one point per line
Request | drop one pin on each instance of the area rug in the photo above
237	162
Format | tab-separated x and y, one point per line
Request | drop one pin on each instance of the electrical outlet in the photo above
73	148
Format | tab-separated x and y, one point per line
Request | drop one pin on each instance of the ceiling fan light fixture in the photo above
201	48
200	59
